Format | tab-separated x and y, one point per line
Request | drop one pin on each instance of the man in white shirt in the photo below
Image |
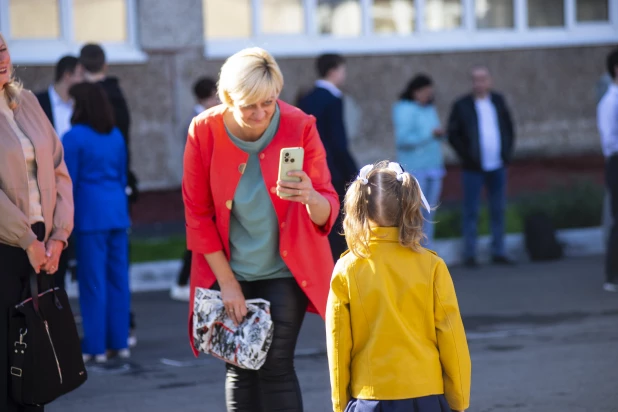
480	130
607	121
55	101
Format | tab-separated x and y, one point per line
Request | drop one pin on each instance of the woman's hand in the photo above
54	250
234	301
36	255
302	192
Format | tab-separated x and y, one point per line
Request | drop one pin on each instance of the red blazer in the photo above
213	166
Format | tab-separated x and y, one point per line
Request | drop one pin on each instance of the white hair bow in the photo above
362	175
396	167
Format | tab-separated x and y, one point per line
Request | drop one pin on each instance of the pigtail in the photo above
356	221
411	224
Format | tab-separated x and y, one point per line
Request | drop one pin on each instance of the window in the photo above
592	10
282	17
225	19
43	23
494	14
545	13
40	31
443	14
393	17
339	17
309	27
91	21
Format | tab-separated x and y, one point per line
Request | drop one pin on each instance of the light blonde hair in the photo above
386	202
248	77
13	88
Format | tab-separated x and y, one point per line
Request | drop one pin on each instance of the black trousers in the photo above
336	239
611	258
14	271
185	271
275	387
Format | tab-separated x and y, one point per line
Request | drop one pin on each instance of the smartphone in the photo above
290	159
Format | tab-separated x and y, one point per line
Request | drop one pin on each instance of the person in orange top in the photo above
255	241
395	338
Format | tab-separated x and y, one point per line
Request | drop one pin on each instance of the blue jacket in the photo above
417	148
328	111
97	164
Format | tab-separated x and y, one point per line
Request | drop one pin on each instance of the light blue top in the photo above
417	148
254	228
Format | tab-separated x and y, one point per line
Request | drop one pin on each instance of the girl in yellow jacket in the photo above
396	342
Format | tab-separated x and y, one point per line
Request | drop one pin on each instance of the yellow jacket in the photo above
393	327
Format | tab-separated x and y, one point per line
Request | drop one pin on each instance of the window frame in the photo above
465	38
45	51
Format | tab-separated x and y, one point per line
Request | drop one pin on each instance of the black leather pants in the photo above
273	388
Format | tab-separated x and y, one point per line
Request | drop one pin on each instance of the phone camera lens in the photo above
292	160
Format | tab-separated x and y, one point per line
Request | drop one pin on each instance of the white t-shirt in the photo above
490	141
607	121
62	112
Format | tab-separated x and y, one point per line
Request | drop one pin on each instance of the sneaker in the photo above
610	287
180	293
99	359
502	260
124	353
132	341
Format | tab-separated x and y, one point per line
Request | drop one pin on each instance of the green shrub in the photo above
575	205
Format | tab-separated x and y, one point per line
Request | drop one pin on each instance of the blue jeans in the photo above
495	183
432	188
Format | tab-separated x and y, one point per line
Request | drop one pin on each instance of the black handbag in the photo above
45	356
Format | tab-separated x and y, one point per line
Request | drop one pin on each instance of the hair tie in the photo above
362	175
396	167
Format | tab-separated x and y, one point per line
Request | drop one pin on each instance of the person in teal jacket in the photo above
417	138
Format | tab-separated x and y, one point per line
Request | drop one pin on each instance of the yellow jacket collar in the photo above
388	234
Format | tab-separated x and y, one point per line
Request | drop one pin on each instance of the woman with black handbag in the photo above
36	203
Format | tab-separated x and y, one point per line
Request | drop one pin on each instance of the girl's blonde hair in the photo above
383	201
13	88
248	77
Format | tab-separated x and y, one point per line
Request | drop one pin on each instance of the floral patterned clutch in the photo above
245	345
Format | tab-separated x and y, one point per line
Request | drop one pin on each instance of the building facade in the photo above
546	56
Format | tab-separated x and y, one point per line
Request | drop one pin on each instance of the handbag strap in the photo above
34	291
17	366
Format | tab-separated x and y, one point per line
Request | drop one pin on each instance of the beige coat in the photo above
52	175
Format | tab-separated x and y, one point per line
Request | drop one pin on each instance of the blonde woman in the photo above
36	201
256	242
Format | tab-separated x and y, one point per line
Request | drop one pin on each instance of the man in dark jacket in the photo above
55	100
58	107
326	104
480	129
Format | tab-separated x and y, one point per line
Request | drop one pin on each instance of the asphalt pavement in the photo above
543	338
